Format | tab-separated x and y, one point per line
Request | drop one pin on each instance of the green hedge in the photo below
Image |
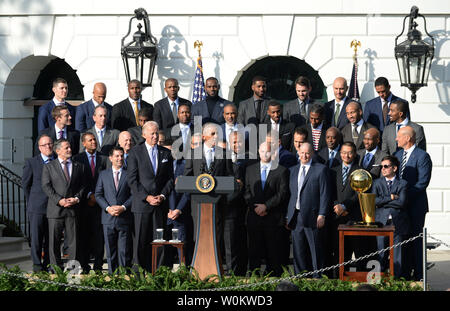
182	280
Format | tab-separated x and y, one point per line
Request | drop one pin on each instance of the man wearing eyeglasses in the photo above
390	205
37	202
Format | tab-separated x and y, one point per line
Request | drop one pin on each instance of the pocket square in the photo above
164	160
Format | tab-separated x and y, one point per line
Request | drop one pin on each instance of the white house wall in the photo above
87	35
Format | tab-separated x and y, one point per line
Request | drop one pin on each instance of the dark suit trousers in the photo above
56	227
399	254
39	240
264	241
414	249
145	225
307	246
90	237
118	244
234	236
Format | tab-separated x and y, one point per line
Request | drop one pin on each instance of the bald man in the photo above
415	168
85	112
335	109
355	129
370	157
166	109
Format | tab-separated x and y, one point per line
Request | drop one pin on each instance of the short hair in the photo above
357	103
115	148
145	112
56	111
402	106
100	107
212	78
171	79
83	136
394	161
303	81
317	108
185	104
258	78
135	81
57	144
382	81
232	105
42	136
59	80
274	102
150	123
301	131
349	144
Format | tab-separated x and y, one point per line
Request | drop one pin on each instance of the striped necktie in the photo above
344	174
403	164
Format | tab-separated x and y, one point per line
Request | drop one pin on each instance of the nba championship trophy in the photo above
361	181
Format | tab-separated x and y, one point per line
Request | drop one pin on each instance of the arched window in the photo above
58	68
281	73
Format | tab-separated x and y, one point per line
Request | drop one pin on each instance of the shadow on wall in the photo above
367	91
174	60
217	57
439	70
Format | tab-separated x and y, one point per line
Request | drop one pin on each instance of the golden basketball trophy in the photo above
361	181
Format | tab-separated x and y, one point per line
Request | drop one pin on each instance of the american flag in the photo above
353	91
199	83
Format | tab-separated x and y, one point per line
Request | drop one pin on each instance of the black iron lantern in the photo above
139	56
414	55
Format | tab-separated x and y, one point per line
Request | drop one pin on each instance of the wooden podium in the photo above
207	259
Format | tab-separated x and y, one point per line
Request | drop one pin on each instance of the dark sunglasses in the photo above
386	166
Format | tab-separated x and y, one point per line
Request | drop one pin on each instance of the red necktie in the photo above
92	165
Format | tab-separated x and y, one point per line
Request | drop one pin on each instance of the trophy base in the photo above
362	224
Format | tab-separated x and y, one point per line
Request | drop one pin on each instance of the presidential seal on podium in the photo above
205	183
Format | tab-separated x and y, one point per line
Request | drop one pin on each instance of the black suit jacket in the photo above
32	185
56	187
122	115
142	179
374	167
101	161
286	132
275	194
329	113
323	156
73	136
344	194
221	166
163	113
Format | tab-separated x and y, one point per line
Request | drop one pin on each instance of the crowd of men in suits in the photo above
108	181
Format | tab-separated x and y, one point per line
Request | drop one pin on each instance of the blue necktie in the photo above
389	185
331	158
153	157
263	176
367	159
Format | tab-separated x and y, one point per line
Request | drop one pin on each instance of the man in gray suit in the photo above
105	136
354	130
398	116
64	183
370	157
254	109
297	110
